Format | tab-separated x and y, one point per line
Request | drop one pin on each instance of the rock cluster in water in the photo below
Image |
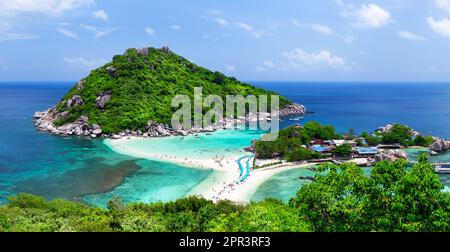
45	121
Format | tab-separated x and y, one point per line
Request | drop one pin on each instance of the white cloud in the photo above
175	27
244	26
410	36
149	31
100	14
441	27
256	33
98	33
230	68
269	64
371	16
443	5
17	36
47	7
12	12
321	28
67	33
222	22
84	64
300	60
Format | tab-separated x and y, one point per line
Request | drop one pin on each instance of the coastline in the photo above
222	185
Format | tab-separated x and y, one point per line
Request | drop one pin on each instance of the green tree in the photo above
392	198
344	150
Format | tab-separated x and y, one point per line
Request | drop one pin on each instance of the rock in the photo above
82	120
78	131
116	137
390	155
93	136
209	129
95	126
161	130
292	109
437	147
97	132
165	49
434	153
139	132
182	132
112	71
38	115
143	51
101	101
64	114
74	101
80	85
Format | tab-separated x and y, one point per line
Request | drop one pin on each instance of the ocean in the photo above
89	171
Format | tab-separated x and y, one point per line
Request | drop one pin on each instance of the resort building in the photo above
342	142
366	151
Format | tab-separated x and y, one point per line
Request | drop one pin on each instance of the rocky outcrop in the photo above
101	101
112	71
440	145
390	155
293	109
142	51
80	85
44	121
165	49
74	101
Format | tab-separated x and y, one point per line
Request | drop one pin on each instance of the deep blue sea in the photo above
73	168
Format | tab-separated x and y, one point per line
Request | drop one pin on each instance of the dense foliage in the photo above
343	150
399	134
142	87
343	198
28	213
292	142
392	198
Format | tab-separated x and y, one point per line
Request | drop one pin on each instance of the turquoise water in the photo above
283	186
223	143
83	169
70	168
154	182
168	182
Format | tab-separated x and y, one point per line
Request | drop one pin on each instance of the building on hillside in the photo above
342	142
366	151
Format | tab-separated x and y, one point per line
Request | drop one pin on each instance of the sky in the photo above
253	40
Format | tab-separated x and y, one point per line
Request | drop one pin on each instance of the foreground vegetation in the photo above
141	87
393	198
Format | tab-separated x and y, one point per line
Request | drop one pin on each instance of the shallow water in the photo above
283	186
71	168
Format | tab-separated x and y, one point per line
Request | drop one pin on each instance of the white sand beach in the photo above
223	184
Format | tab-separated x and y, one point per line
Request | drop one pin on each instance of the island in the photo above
131	96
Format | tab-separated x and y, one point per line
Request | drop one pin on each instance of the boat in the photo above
443	169
296	119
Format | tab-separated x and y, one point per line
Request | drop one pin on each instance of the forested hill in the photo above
139	85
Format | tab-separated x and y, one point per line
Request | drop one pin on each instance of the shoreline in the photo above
222	184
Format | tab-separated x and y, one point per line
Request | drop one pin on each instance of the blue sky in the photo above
328	40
